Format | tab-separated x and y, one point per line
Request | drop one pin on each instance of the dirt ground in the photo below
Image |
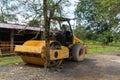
101	66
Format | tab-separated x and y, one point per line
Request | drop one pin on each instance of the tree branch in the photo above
53	9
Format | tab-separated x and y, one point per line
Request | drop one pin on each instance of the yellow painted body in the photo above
62	53
37	47
33	60
33	51
76	40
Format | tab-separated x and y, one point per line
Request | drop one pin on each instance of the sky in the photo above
69	10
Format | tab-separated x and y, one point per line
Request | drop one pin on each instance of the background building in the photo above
11	35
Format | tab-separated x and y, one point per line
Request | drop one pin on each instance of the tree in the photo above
7	11
99	16
33	9
51	9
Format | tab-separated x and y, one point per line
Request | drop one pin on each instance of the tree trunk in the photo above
47	31
48	14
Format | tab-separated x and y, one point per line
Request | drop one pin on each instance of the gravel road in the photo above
101	66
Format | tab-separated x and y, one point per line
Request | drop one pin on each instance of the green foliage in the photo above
7	11
31	10
99	17
80	32
34	23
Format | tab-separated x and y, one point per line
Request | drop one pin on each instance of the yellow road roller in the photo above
63	45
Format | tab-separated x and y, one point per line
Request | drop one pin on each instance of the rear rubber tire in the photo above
78	52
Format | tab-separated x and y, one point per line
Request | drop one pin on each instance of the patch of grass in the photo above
97	47
115	44
93	42
10	60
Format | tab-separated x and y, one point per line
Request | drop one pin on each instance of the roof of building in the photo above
20	27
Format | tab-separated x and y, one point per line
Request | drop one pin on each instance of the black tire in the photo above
78	52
